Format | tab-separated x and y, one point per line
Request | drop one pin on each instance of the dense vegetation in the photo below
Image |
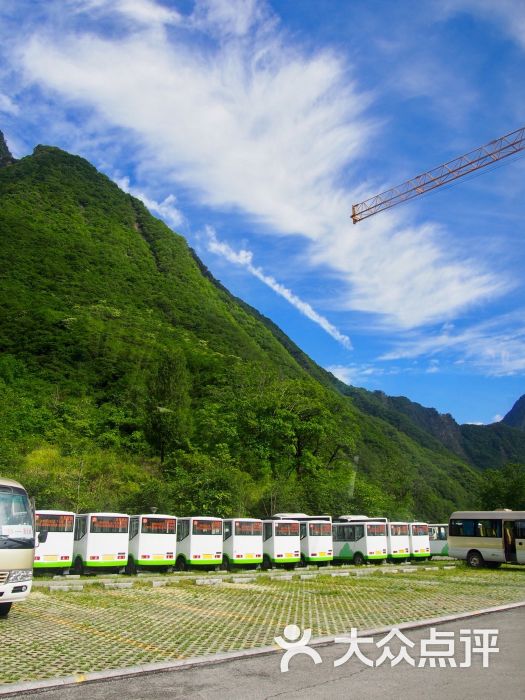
129	378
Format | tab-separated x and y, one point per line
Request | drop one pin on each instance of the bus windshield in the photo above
207	527
320	529
286	529
54	522
16	520
109	523
397	530
247	528
376	529
419	530
159	526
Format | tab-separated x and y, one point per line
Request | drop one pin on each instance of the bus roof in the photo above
10	482
302	517
361	519
117	515
503	514
245	520
152	515
54	512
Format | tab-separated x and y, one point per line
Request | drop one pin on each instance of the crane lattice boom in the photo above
481	157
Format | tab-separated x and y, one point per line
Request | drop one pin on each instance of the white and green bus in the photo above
17	544
438	536
359	539
487	537
242	542
57	551
152	542
199	542
100	542
281	543
419	542
398	541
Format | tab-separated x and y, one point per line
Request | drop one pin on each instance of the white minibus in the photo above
281	543
17	544
100	542
360	540
57	551
199	542
419	542
243	543
438	536
398	541
152	542
487	537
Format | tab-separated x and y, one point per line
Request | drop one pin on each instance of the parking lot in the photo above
63	632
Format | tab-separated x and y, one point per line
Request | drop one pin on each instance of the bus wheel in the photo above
78	566
266	563
475	560
4	609
302	563
131	567
359	559
225	564
180	564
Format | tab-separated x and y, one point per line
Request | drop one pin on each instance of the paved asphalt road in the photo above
258	678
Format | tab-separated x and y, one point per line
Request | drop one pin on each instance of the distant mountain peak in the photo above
5	155
515	418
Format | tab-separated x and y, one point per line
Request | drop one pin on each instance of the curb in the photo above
14	689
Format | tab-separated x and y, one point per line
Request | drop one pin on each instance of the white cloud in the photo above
245	259
7	105
497	346
497	418
166	209
254	123
508	15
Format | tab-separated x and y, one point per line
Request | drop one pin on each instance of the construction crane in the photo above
488	154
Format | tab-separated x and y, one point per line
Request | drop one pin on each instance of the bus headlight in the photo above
18	575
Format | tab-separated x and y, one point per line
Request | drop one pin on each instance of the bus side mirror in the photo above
42	537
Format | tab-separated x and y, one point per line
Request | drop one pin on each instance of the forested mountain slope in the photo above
130	378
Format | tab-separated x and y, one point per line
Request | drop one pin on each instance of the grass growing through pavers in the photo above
61	633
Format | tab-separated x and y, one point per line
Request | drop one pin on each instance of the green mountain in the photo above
515	418
131	378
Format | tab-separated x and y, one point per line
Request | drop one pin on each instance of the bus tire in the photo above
78	567
303	562
359	559
266	563
131	568
475	559
225	564
180	564
4	609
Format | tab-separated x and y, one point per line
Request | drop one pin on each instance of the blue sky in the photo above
252	126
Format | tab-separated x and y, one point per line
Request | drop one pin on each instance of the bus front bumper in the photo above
15	591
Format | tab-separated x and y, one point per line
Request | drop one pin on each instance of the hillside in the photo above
515	418
482	446
130	378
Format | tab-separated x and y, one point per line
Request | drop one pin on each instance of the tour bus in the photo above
398	542
100	542
487	537
57	552
152	542
438	534
281	543
316	537
359	539
17	544
199	542
419	542
243	543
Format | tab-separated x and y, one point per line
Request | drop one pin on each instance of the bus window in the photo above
398	530
419	530
488	528
54	523
183	530
376	530
519	528
109	524
133	528
267	531
207	527
158	526
227	529
319	529
286	529
80	527
247	528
